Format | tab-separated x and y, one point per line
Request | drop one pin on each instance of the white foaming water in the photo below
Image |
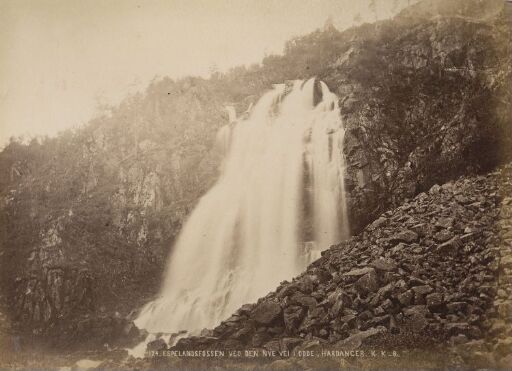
231	113
245	235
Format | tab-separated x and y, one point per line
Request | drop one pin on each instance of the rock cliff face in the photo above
425	98
434	272
87	219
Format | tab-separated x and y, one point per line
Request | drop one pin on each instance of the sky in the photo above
61	59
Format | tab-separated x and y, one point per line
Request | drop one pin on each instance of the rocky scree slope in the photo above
434	272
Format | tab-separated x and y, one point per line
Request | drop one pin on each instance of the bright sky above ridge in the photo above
60	58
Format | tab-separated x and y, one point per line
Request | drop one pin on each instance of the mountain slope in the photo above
88	218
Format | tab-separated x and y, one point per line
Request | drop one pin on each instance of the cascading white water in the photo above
246	234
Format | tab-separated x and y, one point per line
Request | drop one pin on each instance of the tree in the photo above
357	18
394	6
373	8
329	24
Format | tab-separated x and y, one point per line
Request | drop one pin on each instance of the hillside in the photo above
88	218
430	280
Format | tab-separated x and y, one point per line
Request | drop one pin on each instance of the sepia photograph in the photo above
255	184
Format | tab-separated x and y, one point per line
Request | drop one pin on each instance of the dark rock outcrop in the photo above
42	301
425	98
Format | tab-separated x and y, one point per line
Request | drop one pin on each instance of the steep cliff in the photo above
88	218
425	97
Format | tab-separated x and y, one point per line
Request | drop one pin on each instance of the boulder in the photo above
377	223
266	312
359	272
355	341
156	345
422	290
406	236
443	235
384	264
416	317
463	328
293	316
289	343
457	306
503	347
405	298
367	283
434	301
451	246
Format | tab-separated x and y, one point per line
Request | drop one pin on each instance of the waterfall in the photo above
279	201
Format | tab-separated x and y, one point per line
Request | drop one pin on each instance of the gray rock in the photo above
458	328
359	272
336	308
378	321
503	347
422	290
273	345
156	345
415	281
405	298
457	306
407	236
498	327
259	339
243	333
348	319
289	343
293	315
422	229
445	222
451	246
435	189
443	235
368	283
416	317
505	362
356	340
384	264
246	308
482	360
434	301
266	312
305	301
377	223
414	310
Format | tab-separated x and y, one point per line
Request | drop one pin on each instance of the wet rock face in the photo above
421	100
390	279
40	302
